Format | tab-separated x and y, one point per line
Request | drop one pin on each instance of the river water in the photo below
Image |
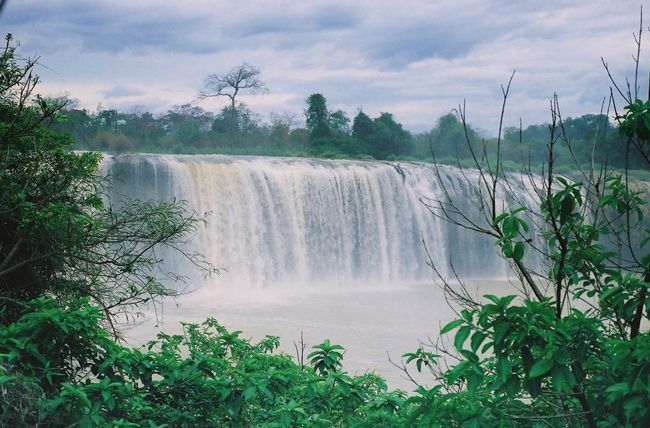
371	323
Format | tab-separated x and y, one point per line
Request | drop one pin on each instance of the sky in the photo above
415	59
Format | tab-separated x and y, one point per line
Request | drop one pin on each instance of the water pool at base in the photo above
371	323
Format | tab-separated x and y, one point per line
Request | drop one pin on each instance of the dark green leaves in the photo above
635	121
510	227
540	368
518	252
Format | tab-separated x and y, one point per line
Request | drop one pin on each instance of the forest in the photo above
190	129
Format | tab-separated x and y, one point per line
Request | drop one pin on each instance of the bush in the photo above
113	142
60	367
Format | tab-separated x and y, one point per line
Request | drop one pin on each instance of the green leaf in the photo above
512	386
504	368
540	368
6	378
518	252
563	379
621	388
450	326
507	249
250	392
461	336
477	339
609	293
491	297
500	218
500	331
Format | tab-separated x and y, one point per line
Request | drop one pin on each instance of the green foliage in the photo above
339	122
205	377
388	138
447	139
635	122
512	229
57	236
518	356
327	359
317	116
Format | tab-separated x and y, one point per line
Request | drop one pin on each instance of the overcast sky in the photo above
415	59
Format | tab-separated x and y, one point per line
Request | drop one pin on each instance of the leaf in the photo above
621	388
477	338
506	300
512	386
563	379
609	293
499	218
524	225
250	392
470	356
507	249
540	368
518	252
474	380
450	326
491	297
461	336
500	331
504	368
6	378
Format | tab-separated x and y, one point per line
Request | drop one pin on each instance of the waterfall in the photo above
308	222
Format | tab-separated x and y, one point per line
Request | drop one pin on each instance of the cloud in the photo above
417	60
107	27
293	21
122	92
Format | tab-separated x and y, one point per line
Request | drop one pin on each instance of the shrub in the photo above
60	367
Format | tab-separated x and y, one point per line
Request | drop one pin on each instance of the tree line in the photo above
190	129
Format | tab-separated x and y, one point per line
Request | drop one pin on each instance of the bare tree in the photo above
240	78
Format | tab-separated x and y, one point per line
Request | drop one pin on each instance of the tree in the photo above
143	127
339	122
448	138
317	116
281	126
57	235
186	125
244	77
246	124
362	127
389	138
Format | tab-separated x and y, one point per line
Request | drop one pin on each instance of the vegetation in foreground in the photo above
68	265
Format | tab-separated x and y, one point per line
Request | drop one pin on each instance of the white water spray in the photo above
310	222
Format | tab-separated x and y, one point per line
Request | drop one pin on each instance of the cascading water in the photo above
306	221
